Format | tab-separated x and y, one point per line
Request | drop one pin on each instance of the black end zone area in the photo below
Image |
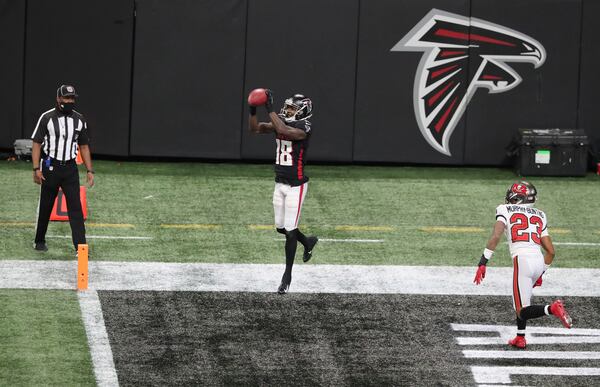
213	338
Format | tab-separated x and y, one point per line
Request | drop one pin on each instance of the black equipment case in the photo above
552	152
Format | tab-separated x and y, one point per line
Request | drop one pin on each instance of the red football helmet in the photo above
521	192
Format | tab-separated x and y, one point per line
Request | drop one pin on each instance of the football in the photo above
257	97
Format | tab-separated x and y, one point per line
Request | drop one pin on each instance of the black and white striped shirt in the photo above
60	133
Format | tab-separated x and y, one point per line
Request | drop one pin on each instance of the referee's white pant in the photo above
287	205
527	268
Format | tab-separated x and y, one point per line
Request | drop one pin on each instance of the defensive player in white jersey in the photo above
292	134
526	230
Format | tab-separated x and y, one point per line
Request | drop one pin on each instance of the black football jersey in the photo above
290	156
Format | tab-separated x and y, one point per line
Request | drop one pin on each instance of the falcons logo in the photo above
452	46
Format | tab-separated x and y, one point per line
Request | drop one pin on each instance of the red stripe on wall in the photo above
475	37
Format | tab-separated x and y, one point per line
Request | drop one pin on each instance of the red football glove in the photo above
480	275
538	282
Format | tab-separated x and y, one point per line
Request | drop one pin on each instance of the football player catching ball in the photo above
292	133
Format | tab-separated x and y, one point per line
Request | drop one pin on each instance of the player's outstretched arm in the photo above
258	127
282	129
489	250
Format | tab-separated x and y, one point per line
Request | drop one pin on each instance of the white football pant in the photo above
287	205
527	268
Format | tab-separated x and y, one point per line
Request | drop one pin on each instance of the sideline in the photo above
307	278
93	320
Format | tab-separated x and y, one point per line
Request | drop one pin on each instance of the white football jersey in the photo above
525	227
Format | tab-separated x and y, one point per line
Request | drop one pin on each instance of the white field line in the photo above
102	237
575	355
102	358
576	244
501	374
343	240
307	278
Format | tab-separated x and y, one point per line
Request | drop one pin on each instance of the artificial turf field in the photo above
195	212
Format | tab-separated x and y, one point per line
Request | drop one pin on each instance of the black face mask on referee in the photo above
66	107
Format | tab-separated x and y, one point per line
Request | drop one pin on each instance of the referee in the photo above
56	137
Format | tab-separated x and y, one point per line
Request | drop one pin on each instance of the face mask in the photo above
66	107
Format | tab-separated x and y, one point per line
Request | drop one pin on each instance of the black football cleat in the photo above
283	287
312	241
40	246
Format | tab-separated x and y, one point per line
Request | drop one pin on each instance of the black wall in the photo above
170	77
589	118
188	78
308	52
87	44
12	35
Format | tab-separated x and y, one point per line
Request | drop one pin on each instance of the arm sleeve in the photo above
41	129
501	214
84	138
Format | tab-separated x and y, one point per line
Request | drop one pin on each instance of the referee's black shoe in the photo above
310	245
40	246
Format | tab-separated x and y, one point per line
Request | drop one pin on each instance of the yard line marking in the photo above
363	228
578	355
501	374
530	340
309	278
261	226
192	226
93	320
110	225
452	229
576	244
343	240
17	224
149	197
102	237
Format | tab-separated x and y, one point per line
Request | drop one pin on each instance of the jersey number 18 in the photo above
283	154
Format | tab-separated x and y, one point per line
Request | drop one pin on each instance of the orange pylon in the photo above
82	267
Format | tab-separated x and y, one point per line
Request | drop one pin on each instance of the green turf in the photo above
43	340
233	196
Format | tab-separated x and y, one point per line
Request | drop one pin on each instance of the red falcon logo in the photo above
444	85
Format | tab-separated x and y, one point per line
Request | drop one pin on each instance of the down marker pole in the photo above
82	267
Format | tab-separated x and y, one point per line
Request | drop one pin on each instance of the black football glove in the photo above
269	103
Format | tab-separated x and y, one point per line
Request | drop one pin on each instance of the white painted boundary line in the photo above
494	374
575	355
101	237
307	278
93	320
576	244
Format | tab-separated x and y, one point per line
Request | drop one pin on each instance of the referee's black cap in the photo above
66	91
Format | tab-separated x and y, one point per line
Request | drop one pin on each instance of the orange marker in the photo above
82	267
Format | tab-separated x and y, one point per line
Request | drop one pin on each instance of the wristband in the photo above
487	253
482	261
90	171
36	169
252	110
546	267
